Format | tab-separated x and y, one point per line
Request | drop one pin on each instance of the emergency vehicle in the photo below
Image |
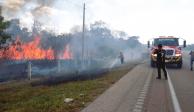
172	48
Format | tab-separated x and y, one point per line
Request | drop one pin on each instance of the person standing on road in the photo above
121	56
191	59
161	61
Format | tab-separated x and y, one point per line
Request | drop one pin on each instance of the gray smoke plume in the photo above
102	48
102	45
28	11
13	7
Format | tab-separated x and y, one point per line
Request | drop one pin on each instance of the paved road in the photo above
139	91
183	81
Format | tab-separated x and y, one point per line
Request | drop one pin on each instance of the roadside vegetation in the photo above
3	25
21	96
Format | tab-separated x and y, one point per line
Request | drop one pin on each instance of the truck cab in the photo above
172	48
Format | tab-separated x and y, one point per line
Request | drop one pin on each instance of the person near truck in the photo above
191	60
161	61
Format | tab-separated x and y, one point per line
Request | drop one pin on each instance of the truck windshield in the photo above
166	41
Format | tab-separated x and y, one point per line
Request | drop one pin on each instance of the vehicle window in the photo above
166	41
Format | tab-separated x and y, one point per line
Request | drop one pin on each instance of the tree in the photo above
133	42
3	26
100	29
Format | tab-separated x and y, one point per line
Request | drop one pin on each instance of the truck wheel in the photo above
152	63
179	65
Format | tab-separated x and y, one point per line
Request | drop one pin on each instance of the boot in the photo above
158	77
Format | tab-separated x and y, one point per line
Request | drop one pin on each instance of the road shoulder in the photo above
122	96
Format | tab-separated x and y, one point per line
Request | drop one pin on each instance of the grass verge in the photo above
22	97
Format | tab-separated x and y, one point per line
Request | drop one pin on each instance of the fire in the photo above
31	51
66	54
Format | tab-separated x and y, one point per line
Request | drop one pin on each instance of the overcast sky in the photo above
147	18
144	18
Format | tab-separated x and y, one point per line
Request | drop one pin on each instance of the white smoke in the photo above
56	15
28	11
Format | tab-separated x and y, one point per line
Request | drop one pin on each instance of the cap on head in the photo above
159	45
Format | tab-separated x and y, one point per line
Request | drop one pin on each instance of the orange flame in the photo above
66	54
30	51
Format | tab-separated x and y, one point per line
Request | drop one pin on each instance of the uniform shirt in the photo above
160	56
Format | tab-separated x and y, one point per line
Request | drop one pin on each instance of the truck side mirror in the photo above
148	44
184	43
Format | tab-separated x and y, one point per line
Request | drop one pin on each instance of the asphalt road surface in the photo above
140	91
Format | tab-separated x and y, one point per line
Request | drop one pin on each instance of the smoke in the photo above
12	8
28	11
102	48
102	45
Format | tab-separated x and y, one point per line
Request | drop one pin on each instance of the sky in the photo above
144	18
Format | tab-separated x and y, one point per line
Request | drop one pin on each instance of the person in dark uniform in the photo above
161	61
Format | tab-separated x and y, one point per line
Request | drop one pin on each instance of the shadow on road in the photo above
171	66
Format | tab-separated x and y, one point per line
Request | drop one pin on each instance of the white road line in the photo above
143	94
175	102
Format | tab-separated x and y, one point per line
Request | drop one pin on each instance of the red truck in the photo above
172	48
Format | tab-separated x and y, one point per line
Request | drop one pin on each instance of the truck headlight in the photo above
178	55
154	55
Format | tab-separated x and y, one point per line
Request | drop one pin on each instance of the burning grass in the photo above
22	96
32	50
